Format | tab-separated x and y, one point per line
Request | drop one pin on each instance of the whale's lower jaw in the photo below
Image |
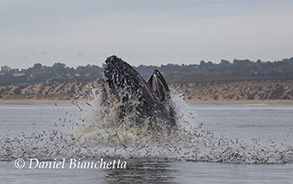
124	85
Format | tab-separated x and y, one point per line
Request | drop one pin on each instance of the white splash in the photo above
104	133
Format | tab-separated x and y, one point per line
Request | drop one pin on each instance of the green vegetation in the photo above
237	68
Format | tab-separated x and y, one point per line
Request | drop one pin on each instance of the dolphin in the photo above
151	100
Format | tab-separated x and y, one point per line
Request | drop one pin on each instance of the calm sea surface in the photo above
245	122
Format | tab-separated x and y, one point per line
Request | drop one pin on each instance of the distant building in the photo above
14	70
2	73
5	68
18	74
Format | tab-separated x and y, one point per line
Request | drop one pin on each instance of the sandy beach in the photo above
26	101
193	91
192	101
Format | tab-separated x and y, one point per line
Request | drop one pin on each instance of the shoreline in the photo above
31	102
219	102
194	91
191	101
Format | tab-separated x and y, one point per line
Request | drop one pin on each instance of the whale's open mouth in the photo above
159	85
123	84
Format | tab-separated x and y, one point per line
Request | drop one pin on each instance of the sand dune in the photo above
236	90
202	91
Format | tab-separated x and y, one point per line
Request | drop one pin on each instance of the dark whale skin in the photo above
120	77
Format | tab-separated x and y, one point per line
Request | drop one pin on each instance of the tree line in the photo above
236	68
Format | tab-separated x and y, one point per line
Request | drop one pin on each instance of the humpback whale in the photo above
151	100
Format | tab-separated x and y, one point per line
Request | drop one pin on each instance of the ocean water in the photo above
264	132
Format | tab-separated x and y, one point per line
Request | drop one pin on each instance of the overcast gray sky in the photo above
149	32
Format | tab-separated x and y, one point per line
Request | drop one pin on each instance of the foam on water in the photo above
103	133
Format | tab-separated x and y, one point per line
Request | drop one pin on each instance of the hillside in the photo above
50	90
236	90
215	91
